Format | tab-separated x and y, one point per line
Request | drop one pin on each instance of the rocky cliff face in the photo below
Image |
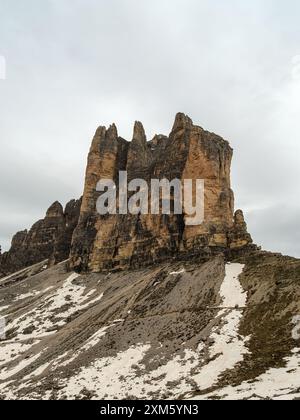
49	238
121	241
127	241
63	237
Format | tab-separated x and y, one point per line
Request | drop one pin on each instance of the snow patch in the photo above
123	375
174	273
231	291
228	347
8	373
34	293
10	351
275	384
53	311
103	376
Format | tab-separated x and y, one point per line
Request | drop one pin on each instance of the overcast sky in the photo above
72	65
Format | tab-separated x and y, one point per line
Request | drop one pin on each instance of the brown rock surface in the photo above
49	238
63	238
128	241
239	236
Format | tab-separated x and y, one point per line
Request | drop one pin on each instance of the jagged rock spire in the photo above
239	218
99	135
55	210
139	135
182	122
112	132
139	154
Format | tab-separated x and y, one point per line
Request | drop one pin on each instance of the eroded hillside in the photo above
178	330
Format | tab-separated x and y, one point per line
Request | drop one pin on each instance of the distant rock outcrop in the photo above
49	238
129	241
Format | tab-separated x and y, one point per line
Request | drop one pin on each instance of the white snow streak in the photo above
117	378
231	291
275	384
61	304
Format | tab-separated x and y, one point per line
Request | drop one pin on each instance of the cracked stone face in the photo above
128	241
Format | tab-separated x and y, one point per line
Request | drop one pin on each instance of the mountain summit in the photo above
112	242
146	306
130	241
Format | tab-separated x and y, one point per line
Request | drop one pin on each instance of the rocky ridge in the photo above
48	239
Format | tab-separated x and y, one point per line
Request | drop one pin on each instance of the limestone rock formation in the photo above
122	241
49	238
63	238
239	236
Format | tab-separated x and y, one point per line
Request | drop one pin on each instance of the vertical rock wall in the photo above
128	241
